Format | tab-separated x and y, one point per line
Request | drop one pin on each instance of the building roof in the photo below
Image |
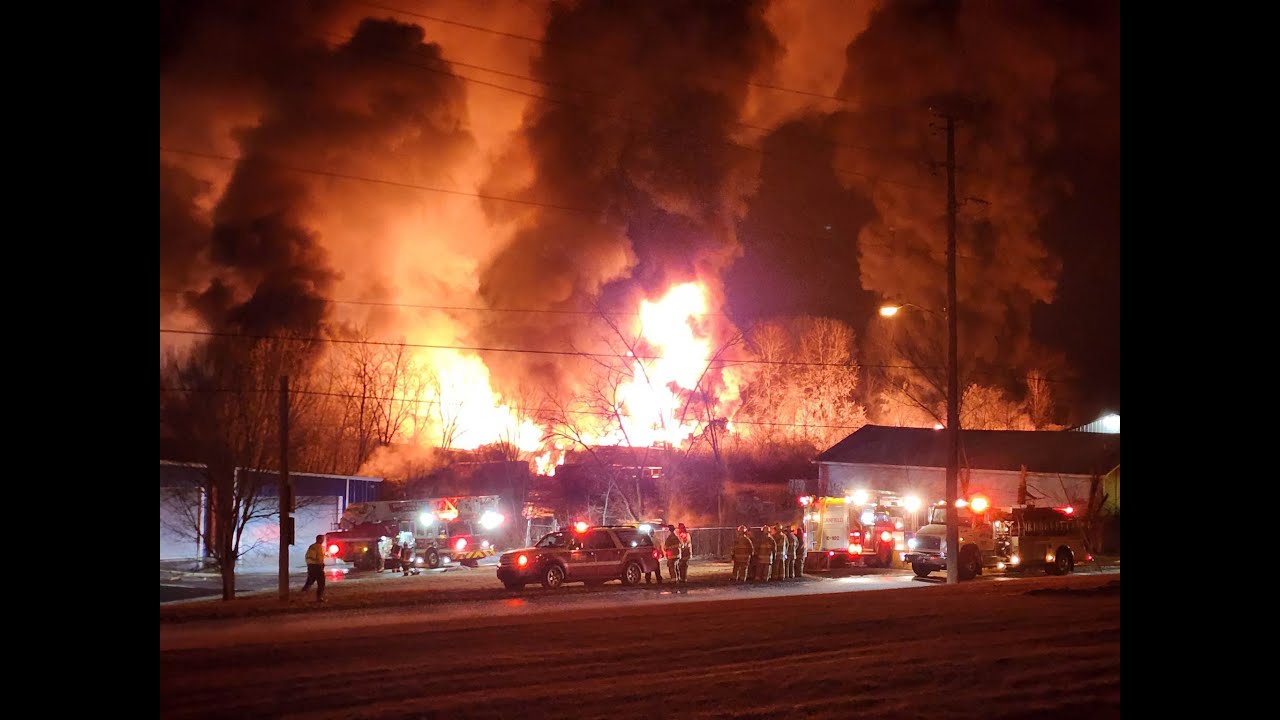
1068	453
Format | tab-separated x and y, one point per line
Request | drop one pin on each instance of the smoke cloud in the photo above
642	147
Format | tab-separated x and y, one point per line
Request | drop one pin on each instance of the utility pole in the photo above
953	372
285	493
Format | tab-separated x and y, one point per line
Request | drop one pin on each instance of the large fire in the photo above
673	348
652	403
465	411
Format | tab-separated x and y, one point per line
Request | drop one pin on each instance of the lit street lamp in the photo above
953	435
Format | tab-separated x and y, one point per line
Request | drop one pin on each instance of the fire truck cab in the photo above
1014	538
443	530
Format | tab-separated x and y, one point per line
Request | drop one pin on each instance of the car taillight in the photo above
462	543
522	560
333	549
886	536
656	555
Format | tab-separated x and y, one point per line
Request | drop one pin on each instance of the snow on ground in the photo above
1048	647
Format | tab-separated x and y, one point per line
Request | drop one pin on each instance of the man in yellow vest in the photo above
315	568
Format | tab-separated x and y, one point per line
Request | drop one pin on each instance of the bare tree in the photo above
988	408
1039	400
447	410
805	385
223	409
373	391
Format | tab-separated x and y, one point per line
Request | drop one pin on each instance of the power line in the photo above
566	353
579	51
379	181
622	118
561	86
532	414
524	351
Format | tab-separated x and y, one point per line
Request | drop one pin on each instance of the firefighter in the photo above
788	562
743	548
780	555
764	555
315	568
406	559
686	552
657	568
801	550
393	560
379	554
671	550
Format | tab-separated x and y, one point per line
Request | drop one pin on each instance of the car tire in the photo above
553	577
433	559
920	569
632	574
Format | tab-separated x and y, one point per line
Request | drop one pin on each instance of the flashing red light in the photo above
1088	558
656	555
805	499
522	560
831	553
886	536
1068	510
855	549
580	526
462	543
333	549
855	535
979	504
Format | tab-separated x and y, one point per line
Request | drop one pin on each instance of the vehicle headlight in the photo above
911	544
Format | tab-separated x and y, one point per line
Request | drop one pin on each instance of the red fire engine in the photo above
442	530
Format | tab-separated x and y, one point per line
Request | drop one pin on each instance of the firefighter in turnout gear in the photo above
764	556
742	551
788	562
801	550
780	555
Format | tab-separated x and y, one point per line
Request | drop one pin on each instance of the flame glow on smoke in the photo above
672	341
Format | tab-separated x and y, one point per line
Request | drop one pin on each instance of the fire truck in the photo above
442	530
862	528
1017	538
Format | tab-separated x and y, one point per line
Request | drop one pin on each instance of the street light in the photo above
952	426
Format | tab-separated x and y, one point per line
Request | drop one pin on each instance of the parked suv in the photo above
593	556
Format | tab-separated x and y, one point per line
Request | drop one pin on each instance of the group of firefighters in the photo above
776	554
400	557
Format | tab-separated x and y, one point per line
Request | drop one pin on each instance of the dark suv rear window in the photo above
598	540
634	538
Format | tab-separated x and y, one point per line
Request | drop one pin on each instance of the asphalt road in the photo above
996	647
